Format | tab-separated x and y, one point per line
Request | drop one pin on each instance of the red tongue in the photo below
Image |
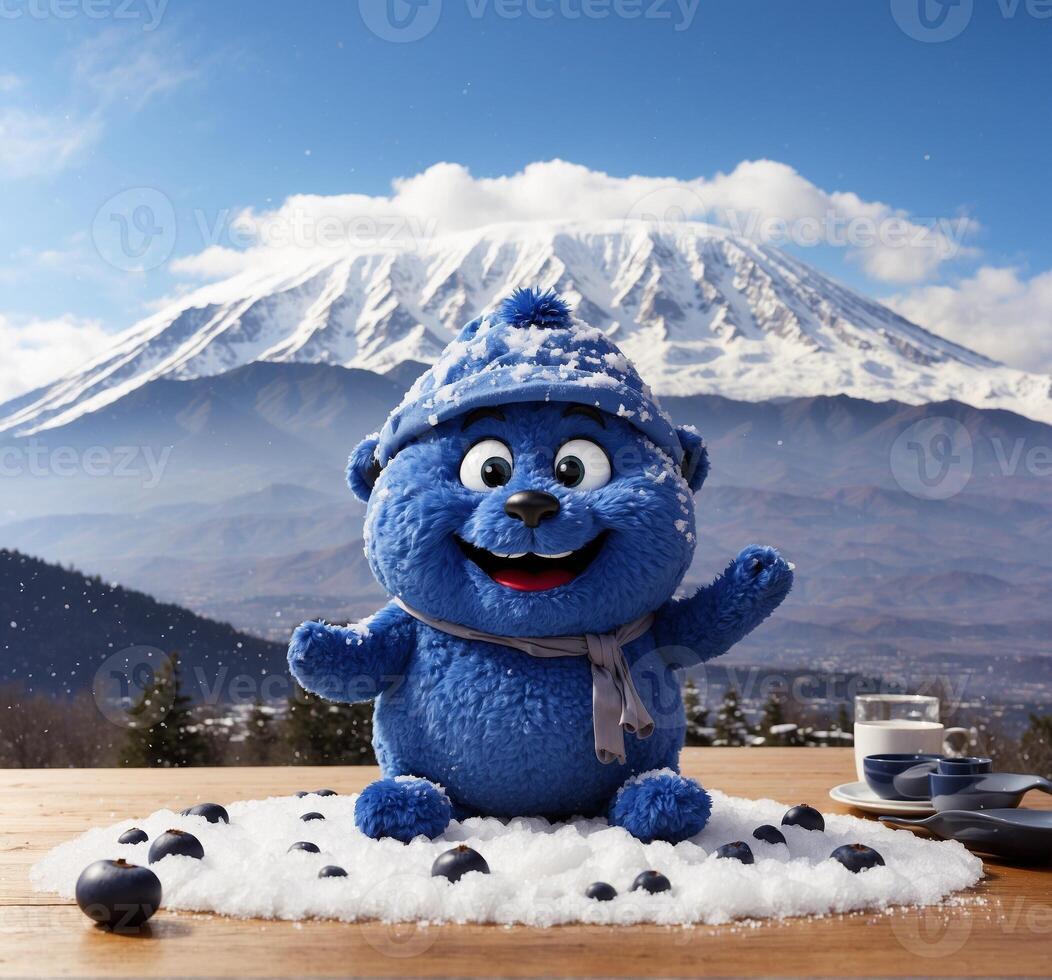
524	581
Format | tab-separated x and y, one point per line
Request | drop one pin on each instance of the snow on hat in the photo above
529	349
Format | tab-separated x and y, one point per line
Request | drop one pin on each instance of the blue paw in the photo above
402	809
762	571
661	807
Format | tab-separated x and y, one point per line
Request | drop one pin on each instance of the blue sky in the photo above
222	106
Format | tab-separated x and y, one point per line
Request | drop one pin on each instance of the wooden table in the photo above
1004	927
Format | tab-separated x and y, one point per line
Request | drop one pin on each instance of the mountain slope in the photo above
59	627
698	309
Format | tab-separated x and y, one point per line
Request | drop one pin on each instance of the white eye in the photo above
582	465
486	465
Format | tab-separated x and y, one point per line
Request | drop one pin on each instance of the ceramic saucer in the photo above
860	796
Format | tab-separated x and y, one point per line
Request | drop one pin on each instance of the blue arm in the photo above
711	621
352	663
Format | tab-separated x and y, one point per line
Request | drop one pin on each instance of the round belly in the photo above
505	733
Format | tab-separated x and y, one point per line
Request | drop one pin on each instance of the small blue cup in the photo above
900	775
965	765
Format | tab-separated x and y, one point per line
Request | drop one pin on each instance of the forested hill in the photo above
59	627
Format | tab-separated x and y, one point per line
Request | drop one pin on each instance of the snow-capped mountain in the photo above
699	310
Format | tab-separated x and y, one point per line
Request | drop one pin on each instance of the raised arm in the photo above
711	621
352	663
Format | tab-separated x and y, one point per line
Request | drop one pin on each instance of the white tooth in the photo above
562	554
501	554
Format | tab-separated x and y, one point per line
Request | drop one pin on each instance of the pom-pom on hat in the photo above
531	348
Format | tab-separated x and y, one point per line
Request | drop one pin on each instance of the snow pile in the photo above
539	870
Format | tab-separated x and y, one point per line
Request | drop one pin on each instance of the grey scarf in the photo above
616	705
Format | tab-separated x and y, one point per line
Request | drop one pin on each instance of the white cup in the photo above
898	723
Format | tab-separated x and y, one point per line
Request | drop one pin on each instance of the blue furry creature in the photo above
530	512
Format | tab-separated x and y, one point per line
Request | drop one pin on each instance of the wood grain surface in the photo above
1003	927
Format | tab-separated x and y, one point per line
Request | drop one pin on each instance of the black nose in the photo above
531	506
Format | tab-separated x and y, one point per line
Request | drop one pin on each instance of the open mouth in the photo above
530	572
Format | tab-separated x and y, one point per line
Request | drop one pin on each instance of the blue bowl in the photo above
965	765
900	775
983	790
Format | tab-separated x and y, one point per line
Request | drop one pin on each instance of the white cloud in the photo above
997	311
761	199
38	351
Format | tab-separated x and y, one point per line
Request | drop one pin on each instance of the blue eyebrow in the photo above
588	412
481	413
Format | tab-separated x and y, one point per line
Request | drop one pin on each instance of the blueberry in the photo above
651	881
857	857
325	792
117	894
332	871
212	812
600	891
737	850
301	793
305	845
313	815
133	836
804	816
769	834
456	863
176	842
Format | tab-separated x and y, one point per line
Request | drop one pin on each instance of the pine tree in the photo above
263	741
698	731
161	726
323	733
772	727
1035	746
731	725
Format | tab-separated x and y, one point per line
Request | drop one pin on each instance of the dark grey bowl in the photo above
900	775
1022	835
983	791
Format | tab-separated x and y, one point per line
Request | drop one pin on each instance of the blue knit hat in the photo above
529	349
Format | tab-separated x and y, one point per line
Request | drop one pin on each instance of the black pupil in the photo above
569	471
496	471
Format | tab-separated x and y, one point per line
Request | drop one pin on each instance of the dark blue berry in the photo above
301	793
313	815
769	834
804	816
117	894
133	836
176	842
212	812
324	792
305	845
456	863
651	881
332	871
857	857
600	891
738	850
